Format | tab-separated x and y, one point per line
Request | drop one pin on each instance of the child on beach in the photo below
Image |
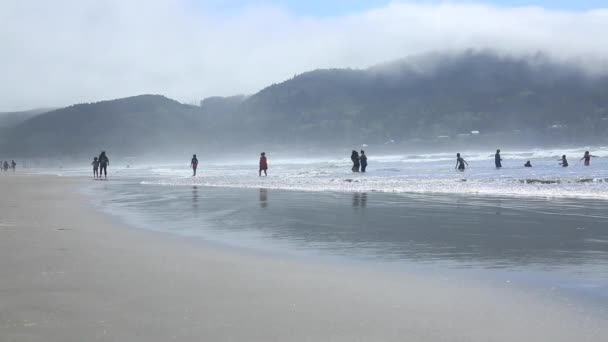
564	162
587	157
460	162
95	164
263	164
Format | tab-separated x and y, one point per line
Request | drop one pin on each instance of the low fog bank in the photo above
472	100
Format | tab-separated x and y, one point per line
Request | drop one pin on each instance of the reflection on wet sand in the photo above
359	200
195	197
263	198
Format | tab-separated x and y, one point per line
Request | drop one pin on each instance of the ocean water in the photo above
430	173
544	227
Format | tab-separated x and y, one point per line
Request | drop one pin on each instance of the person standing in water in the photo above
194	165
263	165
363	160
587	157
356	162
460	162
564	162
5	165
104	162
95	164
13	165
497	159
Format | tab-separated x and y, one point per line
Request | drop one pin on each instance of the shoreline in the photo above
70	273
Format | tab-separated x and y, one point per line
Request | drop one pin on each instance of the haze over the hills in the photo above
430	99
62	52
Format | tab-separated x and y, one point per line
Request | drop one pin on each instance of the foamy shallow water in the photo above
431	173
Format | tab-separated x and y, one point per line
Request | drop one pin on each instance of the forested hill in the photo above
417	99
434	96
130	125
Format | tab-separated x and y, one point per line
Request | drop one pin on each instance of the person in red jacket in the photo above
263	164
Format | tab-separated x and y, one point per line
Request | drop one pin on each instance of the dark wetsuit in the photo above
194	164
460	164
564	163
497	160
363	159
103	165
355	159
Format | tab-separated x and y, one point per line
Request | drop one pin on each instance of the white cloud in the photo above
61	52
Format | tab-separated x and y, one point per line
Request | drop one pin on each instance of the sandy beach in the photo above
70	273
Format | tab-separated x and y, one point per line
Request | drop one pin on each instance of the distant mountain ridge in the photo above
415	99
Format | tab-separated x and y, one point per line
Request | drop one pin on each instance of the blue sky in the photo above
338	7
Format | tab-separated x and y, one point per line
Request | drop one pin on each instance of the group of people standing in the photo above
100	165
359	161
5	165
460	162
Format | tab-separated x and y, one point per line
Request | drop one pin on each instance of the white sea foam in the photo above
423	173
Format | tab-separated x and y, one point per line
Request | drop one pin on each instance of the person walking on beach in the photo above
104	162
460	162
356	162
5	165
587	157
95	164
13	165
263	165
363	160
194	165
497	159
564	162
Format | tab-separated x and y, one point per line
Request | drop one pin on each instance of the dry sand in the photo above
69	273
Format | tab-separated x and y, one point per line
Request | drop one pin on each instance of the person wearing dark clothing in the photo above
363	160
564	162
497	159
528	164
5	165
95	164
104	162
194	165
460	162
587	157
263	165
13	165
356	162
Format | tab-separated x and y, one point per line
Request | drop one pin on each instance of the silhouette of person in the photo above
497	159
95	164
263	165
104	162
356	162
194	165
363	160
460	162
587	157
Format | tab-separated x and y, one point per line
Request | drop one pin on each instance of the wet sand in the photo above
69	273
